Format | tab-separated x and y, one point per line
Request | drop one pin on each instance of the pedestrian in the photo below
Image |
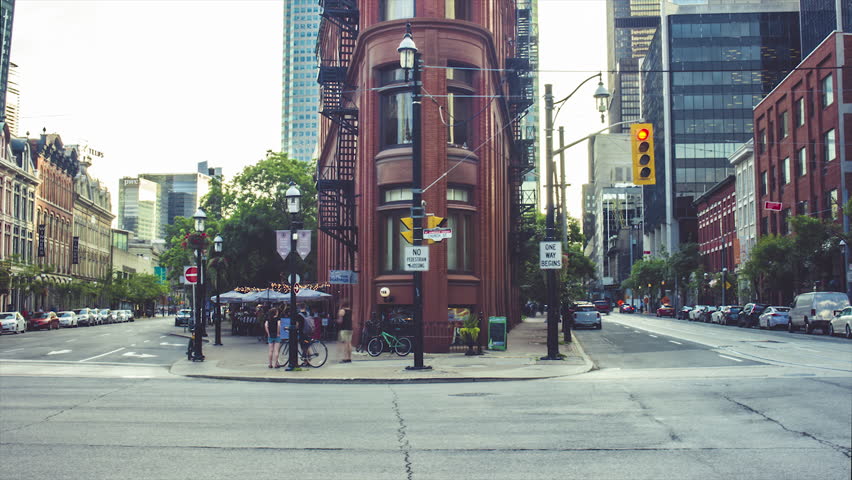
273	337
344	326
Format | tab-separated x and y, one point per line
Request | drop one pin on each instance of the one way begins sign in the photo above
550	255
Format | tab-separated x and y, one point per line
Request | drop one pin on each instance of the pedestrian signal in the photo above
642	153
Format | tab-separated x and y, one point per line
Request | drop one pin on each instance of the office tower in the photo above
708	65
530	122
299	90
138	207
821	17
13	100
7	15
630	27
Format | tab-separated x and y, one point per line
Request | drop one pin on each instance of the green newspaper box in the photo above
497	333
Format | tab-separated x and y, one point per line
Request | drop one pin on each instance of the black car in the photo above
750	313
183	318
683	313
626	308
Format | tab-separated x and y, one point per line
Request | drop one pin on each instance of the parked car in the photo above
727	315
666	311
43	321
86	317
815	310
841	323
106	316
750	314
587	316
695	313
130	316
707	314
12	322
68	319
120	316
183	317
683	313
603	306
626	308
775	316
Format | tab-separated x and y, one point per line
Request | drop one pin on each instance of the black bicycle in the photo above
313	354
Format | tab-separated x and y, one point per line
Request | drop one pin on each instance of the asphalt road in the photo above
659	419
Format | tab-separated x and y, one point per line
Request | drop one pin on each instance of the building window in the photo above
829	152
396	120
782	126
800	112
785	171
802	162
397	195
802	208
826	91
785	221
392	245
460	245
458	118
394	9
761	141
832	204
458	9
461	195
763	183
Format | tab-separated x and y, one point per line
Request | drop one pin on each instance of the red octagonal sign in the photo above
191	275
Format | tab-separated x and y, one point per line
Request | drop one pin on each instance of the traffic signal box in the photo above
642	153
431	222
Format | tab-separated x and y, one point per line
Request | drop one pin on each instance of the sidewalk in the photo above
244	358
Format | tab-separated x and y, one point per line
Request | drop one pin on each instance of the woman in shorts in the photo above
273	337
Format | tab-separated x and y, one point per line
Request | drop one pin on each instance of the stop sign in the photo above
191	274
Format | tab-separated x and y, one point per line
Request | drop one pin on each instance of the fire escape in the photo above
336	177
522	77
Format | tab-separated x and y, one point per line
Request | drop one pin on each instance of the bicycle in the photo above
314	355
400	345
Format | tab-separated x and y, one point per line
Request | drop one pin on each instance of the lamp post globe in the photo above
601	95
407	48
199	218
294	199
217	243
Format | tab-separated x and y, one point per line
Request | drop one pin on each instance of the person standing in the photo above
344	325
273	337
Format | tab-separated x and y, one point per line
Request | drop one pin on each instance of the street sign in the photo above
728	285
550	255
774	206
303	243
190	275
416	259
342	277
437	234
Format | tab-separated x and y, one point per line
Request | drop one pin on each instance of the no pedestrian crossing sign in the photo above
416	259
550	255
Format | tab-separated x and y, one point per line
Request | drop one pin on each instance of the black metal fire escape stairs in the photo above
522	76
336	177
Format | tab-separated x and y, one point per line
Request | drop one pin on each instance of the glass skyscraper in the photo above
299	88
821	17
7	15
702	76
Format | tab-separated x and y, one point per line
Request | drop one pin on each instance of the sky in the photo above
160	85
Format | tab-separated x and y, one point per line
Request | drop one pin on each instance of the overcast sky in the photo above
159	85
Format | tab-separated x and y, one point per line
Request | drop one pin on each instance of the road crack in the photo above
402	437
840	448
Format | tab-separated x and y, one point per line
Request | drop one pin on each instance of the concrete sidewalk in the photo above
245	358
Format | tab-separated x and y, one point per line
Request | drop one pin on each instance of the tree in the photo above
816	250
770	267
683	265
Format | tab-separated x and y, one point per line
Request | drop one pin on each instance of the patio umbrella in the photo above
229	297
267	295
308	294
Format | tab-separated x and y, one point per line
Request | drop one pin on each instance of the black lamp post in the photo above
198	329
409	59
294	207
724	283
217	246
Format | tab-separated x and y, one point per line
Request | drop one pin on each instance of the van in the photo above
815	310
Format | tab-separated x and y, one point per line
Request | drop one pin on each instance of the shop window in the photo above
394	9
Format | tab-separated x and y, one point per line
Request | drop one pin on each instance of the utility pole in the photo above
553	307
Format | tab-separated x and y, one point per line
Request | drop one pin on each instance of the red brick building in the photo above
717	230
469	159
803	130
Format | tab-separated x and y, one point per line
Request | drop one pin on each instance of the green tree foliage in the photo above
770	267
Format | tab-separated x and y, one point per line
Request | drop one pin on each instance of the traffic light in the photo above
435	222
408	223
642	153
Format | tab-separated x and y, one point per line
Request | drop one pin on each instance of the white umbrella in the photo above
229	297
267	295
308	294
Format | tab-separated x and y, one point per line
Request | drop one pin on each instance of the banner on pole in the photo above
282	243
303	243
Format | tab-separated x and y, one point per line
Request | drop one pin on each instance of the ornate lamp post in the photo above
724	283
294	208
217	247
198	329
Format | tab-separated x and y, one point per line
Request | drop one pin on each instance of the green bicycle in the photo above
400	345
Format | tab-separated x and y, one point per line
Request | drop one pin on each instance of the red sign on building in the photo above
774	206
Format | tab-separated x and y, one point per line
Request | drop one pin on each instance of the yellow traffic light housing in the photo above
642	153
408	223
435	222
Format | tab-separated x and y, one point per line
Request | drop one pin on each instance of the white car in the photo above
120	315
842	323
67	319
774	317
587	316
86	317
695	313
13	322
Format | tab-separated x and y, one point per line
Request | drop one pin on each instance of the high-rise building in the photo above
299	90
13	100
7	15
530	122
630	27
138	207
821	17
708	65
91	243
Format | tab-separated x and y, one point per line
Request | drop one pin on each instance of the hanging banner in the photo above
303	244
282	243
41	252
75	250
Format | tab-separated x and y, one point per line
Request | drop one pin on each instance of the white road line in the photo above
730	358
672	341
102	355
12	350
146	341
104	335
72	340
652	335
162	336
636	331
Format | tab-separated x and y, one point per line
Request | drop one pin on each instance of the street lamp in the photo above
846	282
409	59
217	247
724	283
294	208
198	329
706	276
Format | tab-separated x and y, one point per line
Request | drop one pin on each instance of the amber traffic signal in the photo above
642	153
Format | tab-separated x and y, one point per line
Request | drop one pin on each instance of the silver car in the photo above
12	322
587	316
774	317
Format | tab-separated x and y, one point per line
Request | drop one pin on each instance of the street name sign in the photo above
416	259
437	234
774	206
550	255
